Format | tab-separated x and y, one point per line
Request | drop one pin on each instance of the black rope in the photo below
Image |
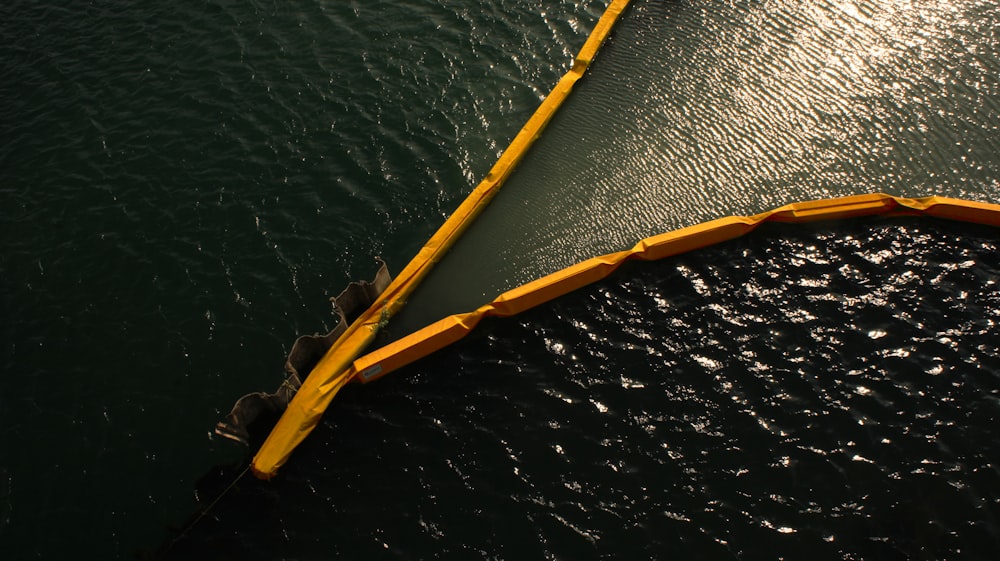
190	525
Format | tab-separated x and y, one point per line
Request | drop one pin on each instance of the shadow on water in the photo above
229	491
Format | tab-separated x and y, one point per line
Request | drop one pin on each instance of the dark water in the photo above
182	186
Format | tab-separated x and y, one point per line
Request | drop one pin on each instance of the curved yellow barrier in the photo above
450	329
333	371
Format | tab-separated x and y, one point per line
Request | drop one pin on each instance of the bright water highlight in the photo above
696	110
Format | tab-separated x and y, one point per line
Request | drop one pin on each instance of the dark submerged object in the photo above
263	409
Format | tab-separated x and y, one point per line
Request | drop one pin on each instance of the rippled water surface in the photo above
701	109
184	184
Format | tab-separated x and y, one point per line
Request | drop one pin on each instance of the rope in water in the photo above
194	522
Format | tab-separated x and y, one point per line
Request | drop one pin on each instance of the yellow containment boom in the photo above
333	371
298	422
450	329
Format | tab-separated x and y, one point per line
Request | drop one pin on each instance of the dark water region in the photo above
182	185
825	391
699	109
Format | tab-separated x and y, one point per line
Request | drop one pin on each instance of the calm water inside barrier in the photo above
182	185
701	109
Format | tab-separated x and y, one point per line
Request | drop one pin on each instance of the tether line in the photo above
208	508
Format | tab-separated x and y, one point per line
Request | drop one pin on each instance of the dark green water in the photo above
183	185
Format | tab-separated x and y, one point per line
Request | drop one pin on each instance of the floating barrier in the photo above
450	329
